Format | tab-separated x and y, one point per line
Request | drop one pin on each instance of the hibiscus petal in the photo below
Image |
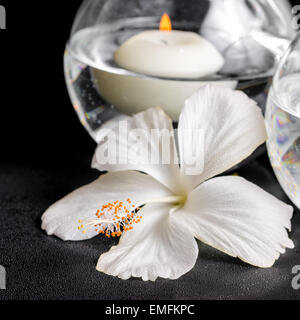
110	124
240	219
157	247
144	143
218	128
61	219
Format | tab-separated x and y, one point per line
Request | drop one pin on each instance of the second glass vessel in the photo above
283	122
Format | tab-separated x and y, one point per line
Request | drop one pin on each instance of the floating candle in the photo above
169	54
178	66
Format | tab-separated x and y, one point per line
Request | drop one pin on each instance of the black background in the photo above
45	153
37	121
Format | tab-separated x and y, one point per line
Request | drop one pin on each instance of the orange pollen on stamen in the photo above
113	219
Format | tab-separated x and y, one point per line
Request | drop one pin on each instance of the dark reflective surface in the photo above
42	267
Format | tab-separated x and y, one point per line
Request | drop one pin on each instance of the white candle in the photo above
170	54
166	54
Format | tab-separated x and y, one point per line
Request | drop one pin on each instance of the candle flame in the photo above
165	23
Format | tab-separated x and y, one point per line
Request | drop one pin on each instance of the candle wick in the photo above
164	42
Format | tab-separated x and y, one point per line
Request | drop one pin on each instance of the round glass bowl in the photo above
101	90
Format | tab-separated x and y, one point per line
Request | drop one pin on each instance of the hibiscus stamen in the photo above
113	219
116	217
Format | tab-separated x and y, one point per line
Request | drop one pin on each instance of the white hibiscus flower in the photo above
159	214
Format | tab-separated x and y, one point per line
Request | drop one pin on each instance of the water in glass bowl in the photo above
283	126
102	92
